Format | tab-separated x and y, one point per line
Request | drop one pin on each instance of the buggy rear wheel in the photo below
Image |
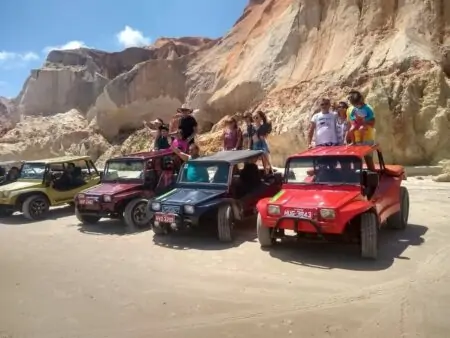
86	219
225	223
136	216
399	220
264	233
369	235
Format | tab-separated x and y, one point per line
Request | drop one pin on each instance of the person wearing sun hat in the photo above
187	123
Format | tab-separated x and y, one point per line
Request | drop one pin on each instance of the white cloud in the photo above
13	60
129	37
74	44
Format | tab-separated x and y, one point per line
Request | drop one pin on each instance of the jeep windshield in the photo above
331	170
123	170
32	171
205	173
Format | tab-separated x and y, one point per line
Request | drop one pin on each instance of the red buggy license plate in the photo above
165	218
300	213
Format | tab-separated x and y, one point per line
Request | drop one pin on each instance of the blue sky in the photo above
29	28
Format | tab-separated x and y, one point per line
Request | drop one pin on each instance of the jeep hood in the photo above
20	185
312	198
110	188
189	196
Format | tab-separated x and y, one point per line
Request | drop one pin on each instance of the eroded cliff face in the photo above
281	56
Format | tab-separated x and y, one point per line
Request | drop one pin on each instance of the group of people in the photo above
179	133
343	124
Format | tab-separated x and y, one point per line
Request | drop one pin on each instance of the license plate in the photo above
300	213
87	202
165	218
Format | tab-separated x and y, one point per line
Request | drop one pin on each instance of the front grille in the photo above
170	209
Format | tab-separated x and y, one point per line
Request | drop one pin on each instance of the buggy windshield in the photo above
205	172
324	170
33	171
124	170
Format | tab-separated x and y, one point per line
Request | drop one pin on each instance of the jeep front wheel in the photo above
35	207
136	216
225	223
369	235
86	219
399	220
264	233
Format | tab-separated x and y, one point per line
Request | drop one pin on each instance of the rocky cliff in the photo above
281	56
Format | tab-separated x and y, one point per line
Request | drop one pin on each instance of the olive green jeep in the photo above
45	183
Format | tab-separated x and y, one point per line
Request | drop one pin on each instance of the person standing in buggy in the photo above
163	140
249	131
323	126
262	129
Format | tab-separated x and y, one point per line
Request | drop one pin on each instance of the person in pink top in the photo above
232	136
180	143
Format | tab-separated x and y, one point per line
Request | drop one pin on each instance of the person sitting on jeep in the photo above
12	175
194	173
65	182
163	140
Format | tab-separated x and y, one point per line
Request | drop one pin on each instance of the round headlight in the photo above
327	213
273	209
189	209
156	206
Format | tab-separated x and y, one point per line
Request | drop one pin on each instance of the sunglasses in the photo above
324	104
342	107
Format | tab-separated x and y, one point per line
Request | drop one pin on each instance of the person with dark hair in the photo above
342	124
362	119
323	126
232	135
180	142
262	129
163	140
12	175
249	131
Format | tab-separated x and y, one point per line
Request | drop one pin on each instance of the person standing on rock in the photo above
188	124
232	135
323	126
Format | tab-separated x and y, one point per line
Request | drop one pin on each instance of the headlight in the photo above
81	196
189	209
156	206
107	198
273	210
327	213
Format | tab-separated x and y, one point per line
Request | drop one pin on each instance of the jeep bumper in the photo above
298	224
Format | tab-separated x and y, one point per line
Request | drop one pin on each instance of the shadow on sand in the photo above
53	214
205	238
323	255
107	227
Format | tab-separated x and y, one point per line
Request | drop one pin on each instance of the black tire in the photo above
86	219
35	207
264	233
136	216
369	235
399	220
225	223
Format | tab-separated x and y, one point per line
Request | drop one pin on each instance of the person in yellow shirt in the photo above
362	118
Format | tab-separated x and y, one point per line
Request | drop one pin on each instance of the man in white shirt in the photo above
323	126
